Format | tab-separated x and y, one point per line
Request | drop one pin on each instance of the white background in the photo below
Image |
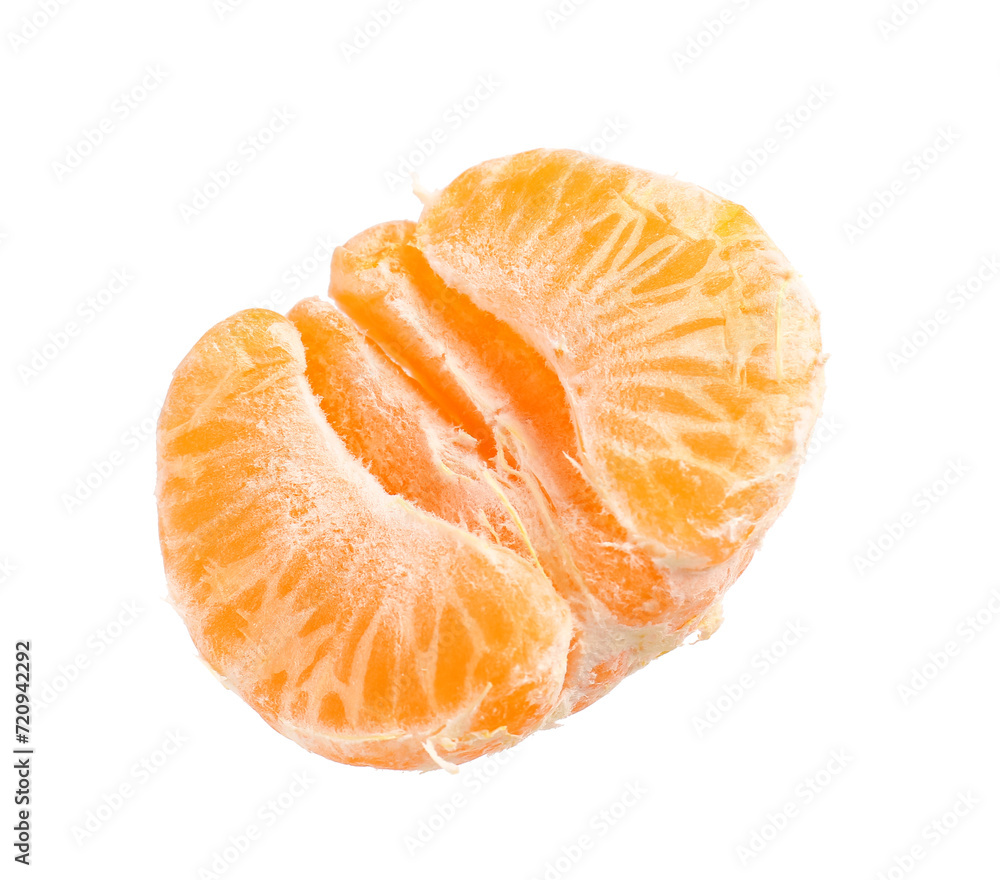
611	77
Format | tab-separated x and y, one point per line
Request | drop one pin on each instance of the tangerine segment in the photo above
482	375
389	424
357	624
688	349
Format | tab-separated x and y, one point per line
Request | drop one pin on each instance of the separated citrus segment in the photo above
688	348
352	621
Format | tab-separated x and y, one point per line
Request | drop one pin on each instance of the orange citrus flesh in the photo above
688	349
347	618
394	430
504	391
525	450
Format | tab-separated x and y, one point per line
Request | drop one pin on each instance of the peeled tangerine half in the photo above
524	449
